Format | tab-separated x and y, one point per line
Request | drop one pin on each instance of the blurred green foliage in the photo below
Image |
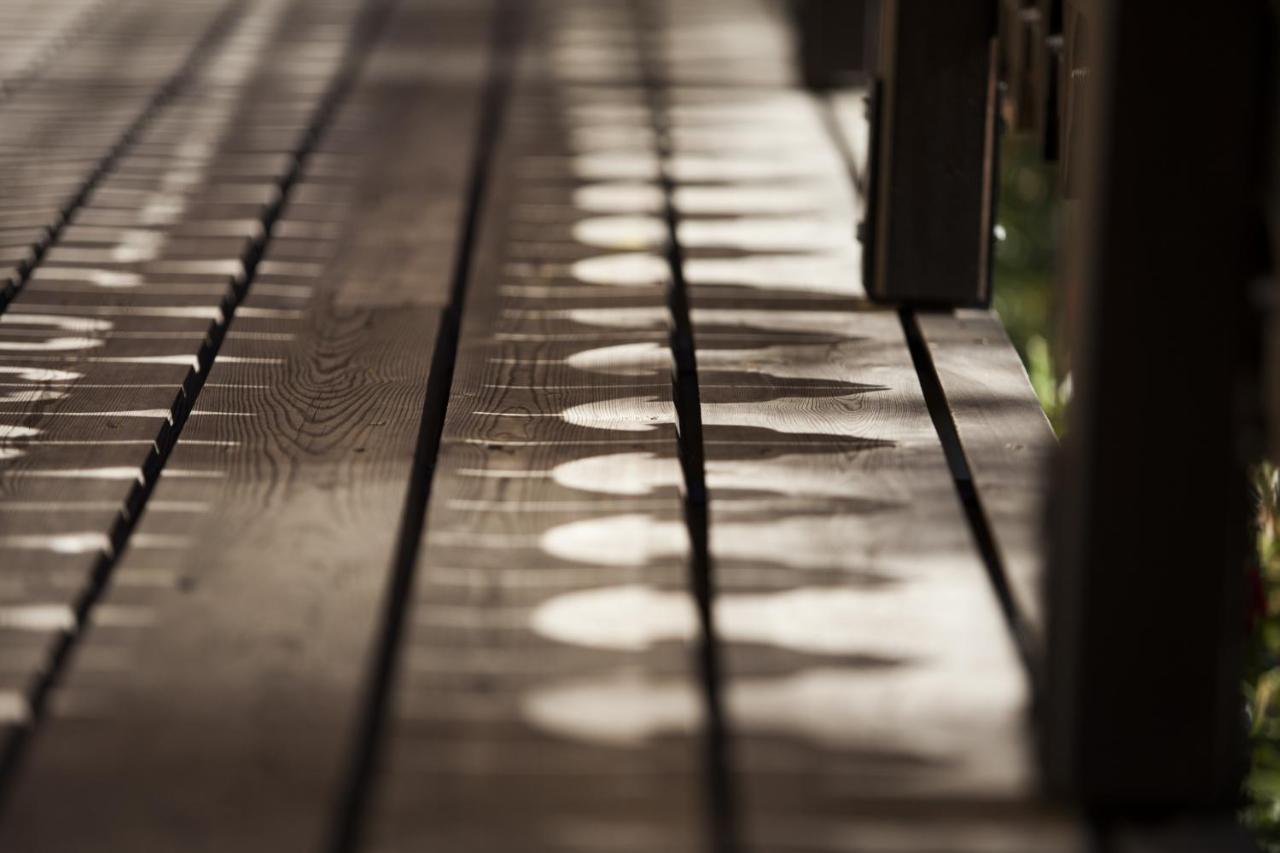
1026	250
1026	299
1262	666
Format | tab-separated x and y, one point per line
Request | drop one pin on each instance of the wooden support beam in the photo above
935	153
1145	609
836	39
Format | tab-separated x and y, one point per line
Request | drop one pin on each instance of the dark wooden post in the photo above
1017	37
1272	166
1031	48
836	39
935	153
1142	707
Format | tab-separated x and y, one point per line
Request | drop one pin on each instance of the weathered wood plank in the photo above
71	114
870	601
867	666
556	498
30	31
96	363
1007	443
235	638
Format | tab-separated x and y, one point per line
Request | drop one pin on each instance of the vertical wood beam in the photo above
836	39
935	153
1142	706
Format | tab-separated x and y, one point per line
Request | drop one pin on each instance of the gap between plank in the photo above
724	833
64	38
220	27
351	811
936	401
979	524
364	30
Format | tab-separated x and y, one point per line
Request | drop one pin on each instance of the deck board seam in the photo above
970	498
217	31
357	48
352	811
67	35
977	519
722	805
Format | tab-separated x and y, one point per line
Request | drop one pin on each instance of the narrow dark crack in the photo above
372	16
936	401
174	86
724	832
360	786
979	525
54	47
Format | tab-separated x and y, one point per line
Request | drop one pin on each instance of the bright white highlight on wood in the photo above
767	235
95	277
123	413
52	345
37	617
788	361
65	322
14	708
119	472
838	274
628	414
911	622
195	312
620	473
747	200
639	359
631	269
625	711
37	395
930	712
619	198
39	374
624	233
617	166
825	475
85	542
835	416
618	540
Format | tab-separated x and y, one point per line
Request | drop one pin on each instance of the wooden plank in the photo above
83	106
556	500
868	670
1007	444
30	31
842	482
95	363
235	638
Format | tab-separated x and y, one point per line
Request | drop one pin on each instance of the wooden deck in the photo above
459	426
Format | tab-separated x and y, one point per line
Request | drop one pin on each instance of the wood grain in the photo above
526	714
234	636
80	104
867	668
546	695
1006	440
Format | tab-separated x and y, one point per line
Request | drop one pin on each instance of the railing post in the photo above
837	39
1142	706
930	240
